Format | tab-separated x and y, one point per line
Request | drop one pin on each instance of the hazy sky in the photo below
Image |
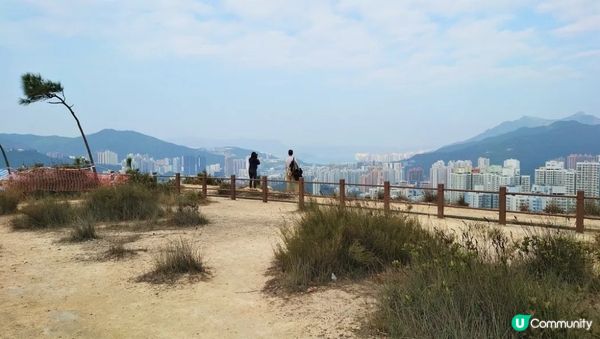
402	75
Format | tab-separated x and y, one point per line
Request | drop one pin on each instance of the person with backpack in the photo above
293	172
253	163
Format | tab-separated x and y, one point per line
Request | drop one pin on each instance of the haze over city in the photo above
334	76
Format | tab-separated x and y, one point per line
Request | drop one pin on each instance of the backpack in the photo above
295	170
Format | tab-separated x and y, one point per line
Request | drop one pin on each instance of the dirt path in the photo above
54	289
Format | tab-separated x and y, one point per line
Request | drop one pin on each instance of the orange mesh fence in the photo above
59	180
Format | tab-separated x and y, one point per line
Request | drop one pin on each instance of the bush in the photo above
45	213
175	259
429	196
346	242
592	208
123	202
469	299
9	201
187	216
553	208
83	230
462	201
141	179
557	253
457	290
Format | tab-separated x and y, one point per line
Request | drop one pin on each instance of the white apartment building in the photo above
588	178
107	158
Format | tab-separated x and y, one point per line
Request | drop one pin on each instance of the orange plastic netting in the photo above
59	180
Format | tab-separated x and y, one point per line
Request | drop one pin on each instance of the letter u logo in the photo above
520	322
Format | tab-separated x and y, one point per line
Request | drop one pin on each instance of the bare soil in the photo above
50	288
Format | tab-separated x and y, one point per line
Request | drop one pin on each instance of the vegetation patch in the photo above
123	202
9	201
328	242
472	286
83	230
176	259
43	214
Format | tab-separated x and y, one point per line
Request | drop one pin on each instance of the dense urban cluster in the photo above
558	178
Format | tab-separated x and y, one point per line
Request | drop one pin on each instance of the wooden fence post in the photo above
178	182
580	212
386	196
342	192
440	201
301	194
502	206
205	185
265	188
232	187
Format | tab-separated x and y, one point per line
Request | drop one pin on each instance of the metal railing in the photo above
228	187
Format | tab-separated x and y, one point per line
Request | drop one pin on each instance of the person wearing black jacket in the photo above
253	169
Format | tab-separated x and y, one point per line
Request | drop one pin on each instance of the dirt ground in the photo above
50	288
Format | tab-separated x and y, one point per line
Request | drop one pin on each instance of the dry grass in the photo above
174	260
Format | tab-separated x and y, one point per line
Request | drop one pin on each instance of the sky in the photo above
343	75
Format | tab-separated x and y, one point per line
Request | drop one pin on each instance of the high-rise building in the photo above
483	163
573	159
176	165
107	158
438	174
190	165
415	175
588	178
512	167
555	174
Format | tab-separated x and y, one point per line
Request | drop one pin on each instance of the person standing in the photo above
291	171
253	163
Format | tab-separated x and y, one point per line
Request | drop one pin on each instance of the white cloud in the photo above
375	40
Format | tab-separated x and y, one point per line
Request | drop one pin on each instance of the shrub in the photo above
188	216
142	179
592	208
469	299
45	213
557	253
429	196
123	202
177	258
83	230
347	242
553	208
456	290
524	207
224	188
118	251
462	201
9	201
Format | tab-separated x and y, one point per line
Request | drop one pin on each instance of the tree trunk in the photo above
87	146
5	159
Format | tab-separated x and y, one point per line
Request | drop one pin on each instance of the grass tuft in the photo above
8	202
43	214
123	202
347	242
471	287
174	260
83	230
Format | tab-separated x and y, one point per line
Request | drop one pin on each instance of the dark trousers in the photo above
253	179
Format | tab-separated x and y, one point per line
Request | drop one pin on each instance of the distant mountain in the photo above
18	158
532	146
583	118
528	121
121	142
